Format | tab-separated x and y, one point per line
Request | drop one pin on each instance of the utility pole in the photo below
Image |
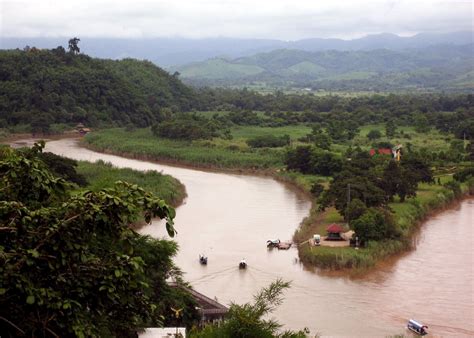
348	201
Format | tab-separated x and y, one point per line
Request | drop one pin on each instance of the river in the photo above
230	217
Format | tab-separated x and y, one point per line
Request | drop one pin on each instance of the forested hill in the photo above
439	67
42	87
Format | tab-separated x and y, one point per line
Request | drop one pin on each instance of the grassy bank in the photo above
141	143
102	175
408	215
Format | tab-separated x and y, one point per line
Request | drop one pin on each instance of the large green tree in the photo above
70	265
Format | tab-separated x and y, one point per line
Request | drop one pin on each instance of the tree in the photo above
299	159
322	140
374	134
421	123
354	210
375	224
317	189
73	45
69	264
248	320
390	128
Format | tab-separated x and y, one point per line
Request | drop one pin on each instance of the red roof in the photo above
381	151
385	151
334	228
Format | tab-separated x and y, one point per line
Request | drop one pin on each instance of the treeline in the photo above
41	88
44	87
449	113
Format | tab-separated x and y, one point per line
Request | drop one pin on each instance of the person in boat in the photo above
242	264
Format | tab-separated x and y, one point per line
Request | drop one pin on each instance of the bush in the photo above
374	134
375	224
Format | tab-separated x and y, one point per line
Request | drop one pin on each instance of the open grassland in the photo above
434	139
102	175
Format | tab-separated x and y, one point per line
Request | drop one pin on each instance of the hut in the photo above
211	311
334	232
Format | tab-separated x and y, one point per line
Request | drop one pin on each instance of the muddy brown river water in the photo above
230	217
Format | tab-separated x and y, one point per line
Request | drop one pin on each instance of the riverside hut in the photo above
211	311
334	232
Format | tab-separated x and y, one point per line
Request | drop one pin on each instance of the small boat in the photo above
273	243
203	259
243	264
284	246
417	327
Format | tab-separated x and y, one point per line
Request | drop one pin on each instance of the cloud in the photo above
279	19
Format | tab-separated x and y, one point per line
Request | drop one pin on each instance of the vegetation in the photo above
70	264
249	320
102	175
45	87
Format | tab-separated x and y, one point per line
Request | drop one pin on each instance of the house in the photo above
211	311
381	151
334	232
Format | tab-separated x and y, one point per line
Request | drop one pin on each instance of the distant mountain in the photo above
178	51
435	67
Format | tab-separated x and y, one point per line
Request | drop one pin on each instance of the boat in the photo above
417	327
203	259
273	243
284	246
243	264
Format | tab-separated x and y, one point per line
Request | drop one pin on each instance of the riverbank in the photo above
102	175
409	215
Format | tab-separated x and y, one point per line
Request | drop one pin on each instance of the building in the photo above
334	232
211	311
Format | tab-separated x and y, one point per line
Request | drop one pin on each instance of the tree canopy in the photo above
70	263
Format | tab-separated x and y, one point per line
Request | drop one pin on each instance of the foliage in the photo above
374	134
375	224
464	174
189	127
70	264
43	87
355	209
310	160
248	320
317	189
102	175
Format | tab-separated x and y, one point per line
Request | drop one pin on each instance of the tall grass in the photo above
102	175
141	143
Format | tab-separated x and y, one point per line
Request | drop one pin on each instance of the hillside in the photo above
440	67
43	87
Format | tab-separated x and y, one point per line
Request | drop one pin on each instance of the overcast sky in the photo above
277	19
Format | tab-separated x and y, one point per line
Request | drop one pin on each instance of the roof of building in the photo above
334	228
207	305
381	151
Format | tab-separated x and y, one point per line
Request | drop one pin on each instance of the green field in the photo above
222	154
